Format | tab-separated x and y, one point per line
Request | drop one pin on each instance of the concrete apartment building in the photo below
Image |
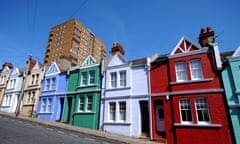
74	42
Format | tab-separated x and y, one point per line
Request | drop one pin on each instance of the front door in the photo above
160	117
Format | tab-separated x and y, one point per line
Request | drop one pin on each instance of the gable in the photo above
117	60
237	52
36	67
89	61
53	69
6	69
185	45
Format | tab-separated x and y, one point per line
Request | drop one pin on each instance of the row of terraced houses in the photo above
190	95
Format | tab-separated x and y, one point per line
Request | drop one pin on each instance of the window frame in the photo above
181	71
202	110
196	72
92	75
122	110
89	103
81	104
113	79
112	111
84	78
185	107
123	78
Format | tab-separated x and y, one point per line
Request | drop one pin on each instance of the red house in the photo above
187	98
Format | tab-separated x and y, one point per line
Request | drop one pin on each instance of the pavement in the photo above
115	137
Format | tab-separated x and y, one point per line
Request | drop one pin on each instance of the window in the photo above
92	77
49	105
43	108
202	110
53	84
37	78
186	110
112	109
33	79
33	98
84	78
122	111
89	103
196	69
181	71
81	104
123	78
113	79
47	84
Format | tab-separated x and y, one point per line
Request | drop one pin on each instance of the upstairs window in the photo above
84	78
92	77
122	78
37	79
196	69
33	79
181	71
53	84
113	79
47	85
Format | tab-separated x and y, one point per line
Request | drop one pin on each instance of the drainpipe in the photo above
149	97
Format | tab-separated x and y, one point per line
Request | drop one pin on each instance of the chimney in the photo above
10	65
206	36
117	48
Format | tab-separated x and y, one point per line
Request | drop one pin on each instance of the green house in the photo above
83	95
231	82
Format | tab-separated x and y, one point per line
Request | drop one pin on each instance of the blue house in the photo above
125	95
53	93
231	82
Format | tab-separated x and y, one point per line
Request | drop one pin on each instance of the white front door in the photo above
160	118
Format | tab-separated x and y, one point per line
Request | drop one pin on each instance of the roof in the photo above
226	54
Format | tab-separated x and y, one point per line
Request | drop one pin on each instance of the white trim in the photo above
198	125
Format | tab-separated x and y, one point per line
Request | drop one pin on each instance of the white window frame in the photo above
123	78
84	79
49	105
47	86
181	71
81	104
43	106
122	110
53	83
112	111
201	106
92	77
113	79
185	107
196	69
89	103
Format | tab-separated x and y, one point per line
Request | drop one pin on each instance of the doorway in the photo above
160	123
144	118
69	102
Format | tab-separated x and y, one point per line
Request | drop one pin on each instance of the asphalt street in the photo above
17	131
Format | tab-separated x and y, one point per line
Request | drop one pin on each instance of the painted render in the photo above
13	90
83	95
32	88
52	95
231	79
4	74
134	120
167	91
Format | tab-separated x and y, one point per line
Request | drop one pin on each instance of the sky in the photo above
143	27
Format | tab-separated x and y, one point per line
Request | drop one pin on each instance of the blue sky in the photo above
143	27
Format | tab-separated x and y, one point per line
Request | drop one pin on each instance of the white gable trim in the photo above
186	49
237	51
56	66
114	61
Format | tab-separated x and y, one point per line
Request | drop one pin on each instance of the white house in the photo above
125	95
13	91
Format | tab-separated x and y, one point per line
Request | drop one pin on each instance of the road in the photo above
16	131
